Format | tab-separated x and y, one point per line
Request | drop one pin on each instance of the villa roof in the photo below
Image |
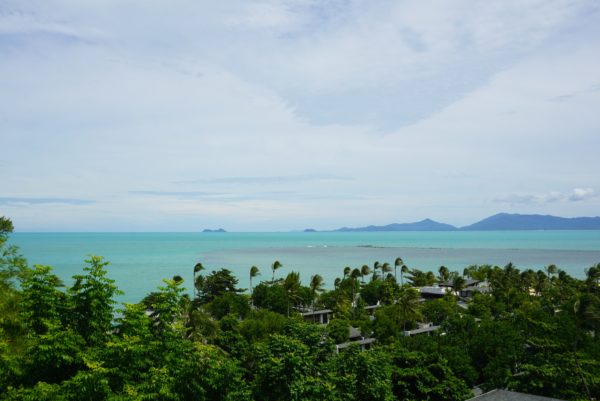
505	395
433	290
421	330
317	312
468	283
359	342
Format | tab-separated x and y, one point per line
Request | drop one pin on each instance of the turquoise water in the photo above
139	261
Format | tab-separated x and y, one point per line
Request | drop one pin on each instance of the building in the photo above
505	395
424	328
433	292
318	316
355	338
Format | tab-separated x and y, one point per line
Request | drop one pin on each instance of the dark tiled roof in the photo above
505	395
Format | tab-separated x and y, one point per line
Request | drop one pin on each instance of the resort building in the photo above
355	338
322	316
423	328
505	395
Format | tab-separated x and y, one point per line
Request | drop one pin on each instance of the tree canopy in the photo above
534	331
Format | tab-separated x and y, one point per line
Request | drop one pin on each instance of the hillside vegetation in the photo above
534	332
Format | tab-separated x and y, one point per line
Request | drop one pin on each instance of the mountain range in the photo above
497	222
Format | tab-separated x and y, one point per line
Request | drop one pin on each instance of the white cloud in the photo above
432	111
580	194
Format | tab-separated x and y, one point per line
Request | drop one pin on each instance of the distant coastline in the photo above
497	222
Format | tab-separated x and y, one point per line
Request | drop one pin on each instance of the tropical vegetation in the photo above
533	331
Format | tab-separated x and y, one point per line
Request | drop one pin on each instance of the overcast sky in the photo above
278	115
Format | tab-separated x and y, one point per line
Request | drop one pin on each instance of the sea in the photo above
140	261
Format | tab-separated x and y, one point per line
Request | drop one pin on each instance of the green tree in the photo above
11	261
365	270
362	376
398	263
291	285
92	297
444	274
338	330
403	270
53	356
438	310
43	304
409	306
419	278
316	287
284	366
198	267
270	296
229	303
385	268
216	284
253	273
417	376
376	266
260	324
274	267
167	311
458	284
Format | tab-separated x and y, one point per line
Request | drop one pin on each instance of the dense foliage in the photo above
535	332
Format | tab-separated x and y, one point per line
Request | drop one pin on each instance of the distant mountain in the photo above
498	222
423	225
208	230
506	221
310	230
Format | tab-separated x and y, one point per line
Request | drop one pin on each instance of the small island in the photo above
219	230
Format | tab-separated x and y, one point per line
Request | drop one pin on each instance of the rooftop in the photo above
359	342
317	312
505	395
421	330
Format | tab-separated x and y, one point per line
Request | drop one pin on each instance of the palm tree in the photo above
408	305
551	270
459	284
376	266
316	286
585	309
253	273
397	262
356	273
337	282
385	268
444	273
592	277
403	269
291	285
365	270
276	265
197	268
347	271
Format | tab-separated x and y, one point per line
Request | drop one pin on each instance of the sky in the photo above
285	115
